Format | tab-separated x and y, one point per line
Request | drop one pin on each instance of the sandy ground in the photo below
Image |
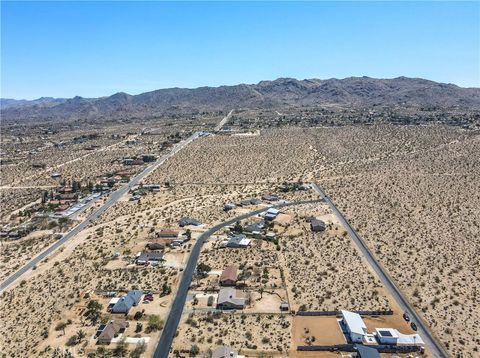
410	191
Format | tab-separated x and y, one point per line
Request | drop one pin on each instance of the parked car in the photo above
414	326
406	317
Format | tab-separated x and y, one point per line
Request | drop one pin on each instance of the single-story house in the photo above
271	214
229	206
188	221
271	197
229	276
224	352
155	246
250	201
394	337
354	325
167	234
111	330
178	242
366	352
153	258
238	241
255	227
123	305
317	225
230	298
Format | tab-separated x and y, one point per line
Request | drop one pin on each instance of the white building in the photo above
393	336
355	326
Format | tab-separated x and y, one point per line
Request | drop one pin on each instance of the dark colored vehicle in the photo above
414	326
406	317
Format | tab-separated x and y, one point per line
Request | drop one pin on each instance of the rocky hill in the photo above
355	92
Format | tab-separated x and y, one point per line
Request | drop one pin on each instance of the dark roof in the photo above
167	233
155	246
254	227
188	221
367	352
317	224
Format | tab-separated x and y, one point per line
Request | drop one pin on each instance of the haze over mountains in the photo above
354	92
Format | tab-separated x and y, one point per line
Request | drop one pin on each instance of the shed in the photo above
229	206
317	225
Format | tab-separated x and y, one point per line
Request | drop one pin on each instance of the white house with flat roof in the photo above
393	336
355	326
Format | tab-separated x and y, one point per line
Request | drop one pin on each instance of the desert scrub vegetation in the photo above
268	333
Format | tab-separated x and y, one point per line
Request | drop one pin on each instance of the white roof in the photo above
387	332
273	211
114	300
402	339
354	322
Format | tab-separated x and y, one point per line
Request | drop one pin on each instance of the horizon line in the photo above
232	85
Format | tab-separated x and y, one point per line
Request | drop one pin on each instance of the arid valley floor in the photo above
410	191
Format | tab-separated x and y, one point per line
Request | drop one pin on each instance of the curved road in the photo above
433	344
112	199
166	339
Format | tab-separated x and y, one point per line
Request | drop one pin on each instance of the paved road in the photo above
433	344
112	199
223	121
166	339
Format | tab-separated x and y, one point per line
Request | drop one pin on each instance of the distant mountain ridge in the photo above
352	91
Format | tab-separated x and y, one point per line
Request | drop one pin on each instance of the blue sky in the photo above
91	49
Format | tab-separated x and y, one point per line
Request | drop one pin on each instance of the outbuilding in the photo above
317	225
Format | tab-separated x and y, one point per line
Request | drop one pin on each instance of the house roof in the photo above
367	352
229	294
387	332
126	302
230	273
112	329
188	221
155	246
354	322
150	256
317	223
167	233
238	240
273	211
258	226
224	352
